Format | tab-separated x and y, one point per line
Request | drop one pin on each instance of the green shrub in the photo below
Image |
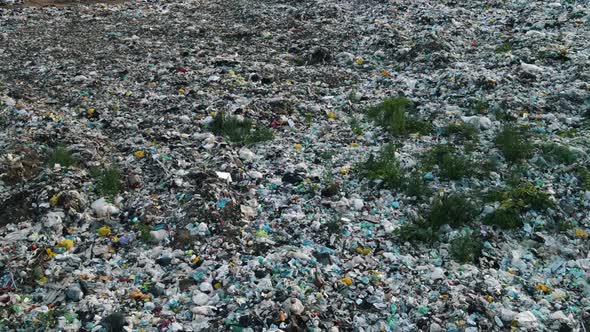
461	130
456	210
392	114
384	167
60	155
514	143
523	197
507	217
415	186
452	165
466	249
239	131
455	167
416	233
108	181
559	153
529	196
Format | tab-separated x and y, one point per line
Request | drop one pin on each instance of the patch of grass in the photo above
451	165
384	167
461	130
456	210
61	155
514	143
504	48
559	153
393	115
108	181
466	249
238	131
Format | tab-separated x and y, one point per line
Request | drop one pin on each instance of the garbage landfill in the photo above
295	165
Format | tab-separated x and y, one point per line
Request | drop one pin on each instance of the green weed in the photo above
466	249
384	167
523	196
456	210
514	143
462	131
481	107
451	165
60	155
108	181
415	186
504	48
559	153
416	233
355	127
238	131
506	217
392	115
584	178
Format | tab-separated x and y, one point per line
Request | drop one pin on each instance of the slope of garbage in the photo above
321	165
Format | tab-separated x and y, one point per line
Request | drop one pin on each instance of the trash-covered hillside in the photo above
297	165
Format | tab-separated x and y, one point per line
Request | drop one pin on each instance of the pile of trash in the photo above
295	165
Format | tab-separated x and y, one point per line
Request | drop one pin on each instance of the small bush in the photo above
452	165
466	249
514	143
392	114
461	130
60	155
108	181
415	186
384	167
455	167
455	210
528	196
488	165
416	233
523	196
559	153
506	217
239	131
